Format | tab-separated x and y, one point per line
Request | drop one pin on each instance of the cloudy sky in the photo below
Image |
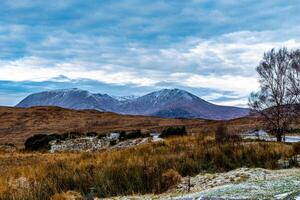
124	47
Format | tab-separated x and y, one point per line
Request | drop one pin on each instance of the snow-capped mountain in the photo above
125	98
66	98
169	103
179	103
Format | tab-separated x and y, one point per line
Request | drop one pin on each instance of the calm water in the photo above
265	136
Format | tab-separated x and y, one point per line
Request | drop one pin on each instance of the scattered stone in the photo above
206	181
8	147
20	183
130	143
93	143
283	163
289	162
296	158
85	144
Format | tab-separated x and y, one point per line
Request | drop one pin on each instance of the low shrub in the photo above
40	142
296	147
222	135
71	135
91	134
132	135
122	135
170	178
173	131
113	142
100	136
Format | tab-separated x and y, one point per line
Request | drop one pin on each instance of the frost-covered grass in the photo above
282	187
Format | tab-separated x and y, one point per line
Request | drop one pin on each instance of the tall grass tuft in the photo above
151	168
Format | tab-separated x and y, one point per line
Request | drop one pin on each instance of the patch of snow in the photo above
125	98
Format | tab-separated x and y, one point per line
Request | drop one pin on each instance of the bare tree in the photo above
279	80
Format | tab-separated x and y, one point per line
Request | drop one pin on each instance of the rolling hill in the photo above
17	124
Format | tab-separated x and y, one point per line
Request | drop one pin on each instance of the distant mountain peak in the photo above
175	92
165	103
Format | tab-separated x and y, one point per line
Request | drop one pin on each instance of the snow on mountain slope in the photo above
170	103
179	103
66	98
125	98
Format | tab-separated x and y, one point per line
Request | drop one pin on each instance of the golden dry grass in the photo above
136	170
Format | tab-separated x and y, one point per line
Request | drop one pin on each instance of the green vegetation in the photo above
40	142
173	131
132	135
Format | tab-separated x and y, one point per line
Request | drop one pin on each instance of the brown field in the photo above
137	170
142	169
17	124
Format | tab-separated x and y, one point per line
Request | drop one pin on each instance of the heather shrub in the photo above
91	134
122	135
296	147
40	142
173	131
170	178
222	135
132	135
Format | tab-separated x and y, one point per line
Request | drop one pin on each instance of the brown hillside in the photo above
17	124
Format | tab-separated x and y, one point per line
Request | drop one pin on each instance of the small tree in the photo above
279	90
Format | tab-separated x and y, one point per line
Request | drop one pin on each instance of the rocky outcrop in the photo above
289	162
87	144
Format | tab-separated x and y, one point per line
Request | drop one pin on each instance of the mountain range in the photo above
168	103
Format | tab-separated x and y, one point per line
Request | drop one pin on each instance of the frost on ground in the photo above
261	184
243	183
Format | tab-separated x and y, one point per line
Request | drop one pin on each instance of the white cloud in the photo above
238	102
235	53
223	63
238	84
37	69
219	95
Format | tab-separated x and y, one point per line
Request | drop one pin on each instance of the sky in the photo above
131	47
